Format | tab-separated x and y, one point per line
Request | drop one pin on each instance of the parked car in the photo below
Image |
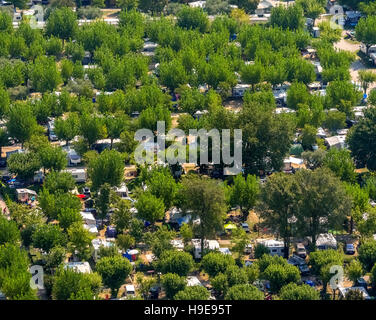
245	227
350	248
300	250
154	293
248	249
300	263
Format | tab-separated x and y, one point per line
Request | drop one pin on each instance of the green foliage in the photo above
214	263
292	291
279	275
321	259
244	292
108	167
260	250
122	216
340	162
80	241
14	274
125	241
44	74
47	236
9	232
67	217
172	284
244	193
178	262
367	254
24	165
162	185
59	181
361	140
69	285
354	271
114	271
193	293
335	120
21	123
150	208
193	18
290	17
62	23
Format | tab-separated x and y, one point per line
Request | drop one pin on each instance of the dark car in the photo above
154	293
3	162
350	248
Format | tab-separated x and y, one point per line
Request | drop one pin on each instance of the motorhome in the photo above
79	175
275	247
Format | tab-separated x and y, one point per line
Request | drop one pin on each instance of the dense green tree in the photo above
21	123
114	271
361	139
69	284
335	120
178	262
162	185
215	262
150	208
205	199
67	217
122	215
244	193
48	236
367	254
340	162
108	167
193	18
44	74
366	31
59	181
80	241
290	17
9	232
354	271
244	292
172	284
62	23
278	206
316	216
279	275
292	291
193	293
24	165
53	158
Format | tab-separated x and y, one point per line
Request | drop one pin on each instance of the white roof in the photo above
91	227
193	281
122	188
326	239
284	110
82	267
293	160
224	250
28	191
271	243
209	244
197	4
97	243
177	244
87	216
129	288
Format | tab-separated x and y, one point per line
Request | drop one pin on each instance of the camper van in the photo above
275	247
79	175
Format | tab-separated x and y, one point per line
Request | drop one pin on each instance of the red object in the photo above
81	196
